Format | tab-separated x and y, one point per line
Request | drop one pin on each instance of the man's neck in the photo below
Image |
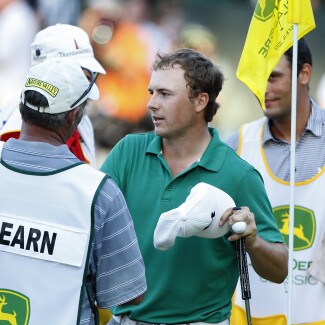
37	133
183	152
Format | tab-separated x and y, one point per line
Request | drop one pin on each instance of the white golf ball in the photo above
239	227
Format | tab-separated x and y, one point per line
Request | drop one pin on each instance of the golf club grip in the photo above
243	269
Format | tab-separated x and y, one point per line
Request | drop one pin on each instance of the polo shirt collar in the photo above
46	149
154	146
213	157
215	154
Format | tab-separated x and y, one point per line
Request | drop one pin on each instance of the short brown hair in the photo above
201	75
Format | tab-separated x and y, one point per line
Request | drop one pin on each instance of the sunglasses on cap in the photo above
91	76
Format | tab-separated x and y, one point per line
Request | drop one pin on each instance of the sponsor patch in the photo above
304	226
50	89
14	307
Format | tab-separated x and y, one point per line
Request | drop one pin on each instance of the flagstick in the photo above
292	169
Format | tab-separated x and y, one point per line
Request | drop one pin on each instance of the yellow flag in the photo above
270	34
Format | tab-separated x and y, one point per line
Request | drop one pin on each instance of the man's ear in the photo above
305	74
72	117
72	114
201	101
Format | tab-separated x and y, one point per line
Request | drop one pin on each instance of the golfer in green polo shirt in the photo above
193	281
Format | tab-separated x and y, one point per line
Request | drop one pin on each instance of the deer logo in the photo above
266	9
304	229
11	318
297	231
14	307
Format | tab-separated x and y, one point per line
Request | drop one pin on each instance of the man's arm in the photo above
105	314
269	259
134	301
120	271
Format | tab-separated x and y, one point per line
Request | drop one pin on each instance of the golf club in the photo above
243	270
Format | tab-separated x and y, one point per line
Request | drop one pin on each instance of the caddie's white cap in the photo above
64	41
62	82
198	216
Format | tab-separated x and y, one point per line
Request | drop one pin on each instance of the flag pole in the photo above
292	170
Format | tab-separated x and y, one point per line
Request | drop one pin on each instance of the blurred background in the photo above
126	34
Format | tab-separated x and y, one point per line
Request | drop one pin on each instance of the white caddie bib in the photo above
308	294
45	227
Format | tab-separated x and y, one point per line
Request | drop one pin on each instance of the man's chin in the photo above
269	110
157	131
269	113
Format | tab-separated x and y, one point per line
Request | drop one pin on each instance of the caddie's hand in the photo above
243	214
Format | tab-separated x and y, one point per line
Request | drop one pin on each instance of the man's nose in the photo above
152	105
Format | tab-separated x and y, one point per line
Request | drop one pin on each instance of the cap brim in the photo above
94	93
198	216
169	226
91	64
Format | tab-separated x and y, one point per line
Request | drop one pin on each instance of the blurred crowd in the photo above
125	35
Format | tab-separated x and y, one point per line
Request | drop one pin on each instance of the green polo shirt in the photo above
194	280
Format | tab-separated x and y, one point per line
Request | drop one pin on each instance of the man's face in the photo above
278	92
173	113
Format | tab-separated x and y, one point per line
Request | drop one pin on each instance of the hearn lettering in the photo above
27	238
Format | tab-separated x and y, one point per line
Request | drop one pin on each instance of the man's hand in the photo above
269	259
